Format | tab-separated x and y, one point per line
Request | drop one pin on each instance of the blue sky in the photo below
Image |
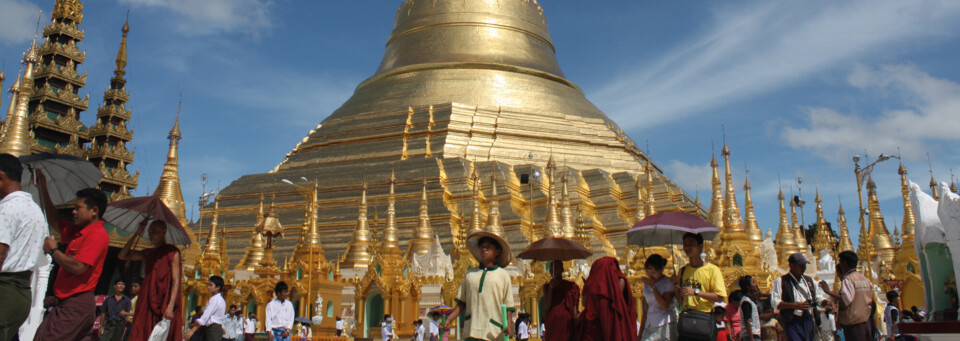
800	86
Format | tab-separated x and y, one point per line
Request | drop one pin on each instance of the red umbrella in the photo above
127	214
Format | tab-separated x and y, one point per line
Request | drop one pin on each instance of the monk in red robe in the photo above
563	306
160	292
609	312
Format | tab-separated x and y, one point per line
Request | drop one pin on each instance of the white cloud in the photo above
765	46
215	16
690	177
18	19
929	114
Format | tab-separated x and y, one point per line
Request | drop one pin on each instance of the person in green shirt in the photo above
484	289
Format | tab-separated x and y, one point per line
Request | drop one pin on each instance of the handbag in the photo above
160	331
694	324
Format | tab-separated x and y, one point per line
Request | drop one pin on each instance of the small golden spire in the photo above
798	231
358	254
12	107
878	233
569	230
731	211
845	243
169	189
121	61
822	237
251	259
715	214
908	217
16	130
476	222
751	227
650	206
553	227
583	230
786	241
493	215
391	239
933	187
213	239
953	183
421	242
639	213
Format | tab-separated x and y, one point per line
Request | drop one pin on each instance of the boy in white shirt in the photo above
339	327
434	327
279	320
213	313
250	327
386	328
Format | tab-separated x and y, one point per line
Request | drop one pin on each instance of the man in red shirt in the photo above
73	305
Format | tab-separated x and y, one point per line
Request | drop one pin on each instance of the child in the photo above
434	327
279	313
212	320
386	328
485	289
771	329
891	315
523	332
250	327
418	330
339	327
718	315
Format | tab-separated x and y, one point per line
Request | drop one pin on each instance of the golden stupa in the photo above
464	87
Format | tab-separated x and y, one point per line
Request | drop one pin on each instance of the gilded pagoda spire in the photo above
71	10
822	238
552	227
786	242
731	212
715	214
933	187
422	234
16	131
476	222
639	213
566	215
169	187
211	261
493	215
251	259
754	234
391	239
845	244
908	217
12	107
358	253
121	61
650	206
879	235
798	231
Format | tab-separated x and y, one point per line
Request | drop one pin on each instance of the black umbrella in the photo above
66	174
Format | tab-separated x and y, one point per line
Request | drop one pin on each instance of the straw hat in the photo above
505	257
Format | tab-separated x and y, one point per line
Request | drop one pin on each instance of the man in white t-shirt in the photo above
23	228
339	327
386	328
250	327
523	332
279	322
434	327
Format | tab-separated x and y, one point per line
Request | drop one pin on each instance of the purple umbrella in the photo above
668	228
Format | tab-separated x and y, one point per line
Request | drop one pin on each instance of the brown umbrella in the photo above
127	214
553	248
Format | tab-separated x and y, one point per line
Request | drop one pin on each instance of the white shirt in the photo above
250	326
522	331
828	323
386	330
656	315
891	323
434	328
229	327
419	333
340	325
279	314
23	228
801	292
214	311
746	303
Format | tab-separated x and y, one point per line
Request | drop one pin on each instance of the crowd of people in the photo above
692	304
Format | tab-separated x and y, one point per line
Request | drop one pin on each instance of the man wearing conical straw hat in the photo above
486	289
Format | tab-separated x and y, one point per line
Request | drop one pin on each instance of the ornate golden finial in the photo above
476	222
168	189
751	227
933	181
908	217
569	230
650	207
786	241
253	256
715	214
953	182
16	130
71	10
421	240
731	211
639	213
493	215
358	254
122	52
12	107
878	233
391	239
553	227
798	231
822	237
213	239
845	243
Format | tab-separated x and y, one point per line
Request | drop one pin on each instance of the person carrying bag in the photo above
700	285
